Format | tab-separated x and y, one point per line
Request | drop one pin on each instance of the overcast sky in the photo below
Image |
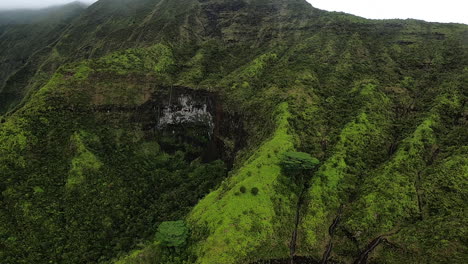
429	10
11	4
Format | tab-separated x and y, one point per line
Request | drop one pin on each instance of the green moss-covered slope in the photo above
89	174
75	176
238	225
361	144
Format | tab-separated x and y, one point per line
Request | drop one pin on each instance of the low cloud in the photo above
429	10
35	4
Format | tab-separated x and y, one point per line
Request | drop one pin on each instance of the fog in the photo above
429	10
35	4
445	11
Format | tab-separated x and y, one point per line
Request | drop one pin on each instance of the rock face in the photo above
168	108
185	107
178	117
182	115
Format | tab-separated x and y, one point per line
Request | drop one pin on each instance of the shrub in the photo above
254	191
242	189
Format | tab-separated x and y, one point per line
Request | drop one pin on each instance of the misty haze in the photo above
36	4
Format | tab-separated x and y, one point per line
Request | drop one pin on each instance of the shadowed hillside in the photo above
26	37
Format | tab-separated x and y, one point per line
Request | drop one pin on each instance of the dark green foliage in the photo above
172	233
115	180
295	163
25	36
85	177
151	254
254	190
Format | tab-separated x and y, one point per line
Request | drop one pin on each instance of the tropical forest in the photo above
231	132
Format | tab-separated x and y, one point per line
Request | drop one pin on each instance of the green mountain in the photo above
156	131
26	37
30	16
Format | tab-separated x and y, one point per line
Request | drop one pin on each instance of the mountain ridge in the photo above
33	15
113	41
88	173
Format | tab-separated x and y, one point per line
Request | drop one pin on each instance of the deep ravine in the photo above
364	254
292	244
331	231
362	259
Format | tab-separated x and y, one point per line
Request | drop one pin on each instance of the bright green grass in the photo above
239	224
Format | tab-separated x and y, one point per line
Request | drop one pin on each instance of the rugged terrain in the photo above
126	114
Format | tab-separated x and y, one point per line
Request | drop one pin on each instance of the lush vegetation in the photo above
96	178
235	226
297	163
88	176
172	233
25	38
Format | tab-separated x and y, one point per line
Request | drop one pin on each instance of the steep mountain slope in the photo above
25	36
112	25
30	16
148	111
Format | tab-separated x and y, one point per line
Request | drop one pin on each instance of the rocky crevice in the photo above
331	232
292	244
362	259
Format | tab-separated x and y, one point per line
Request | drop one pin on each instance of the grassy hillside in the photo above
92	164
239	224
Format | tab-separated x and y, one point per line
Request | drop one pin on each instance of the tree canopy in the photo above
172	233
294	163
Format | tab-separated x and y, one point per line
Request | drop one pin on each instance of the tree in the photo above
296	164
172	233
